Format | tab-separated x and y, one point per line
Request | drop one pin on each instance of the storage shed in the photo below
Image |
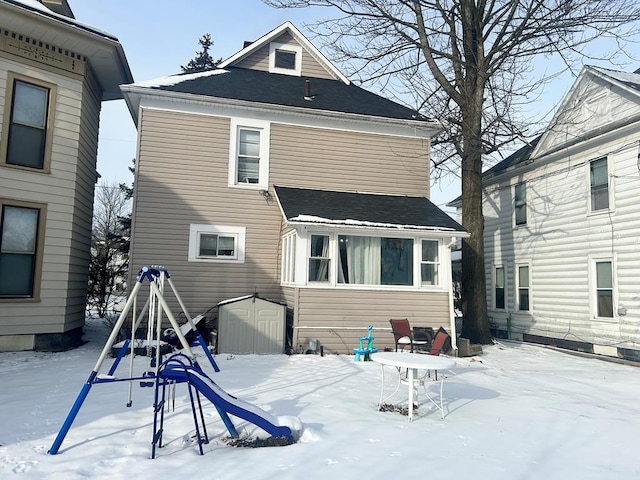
251	324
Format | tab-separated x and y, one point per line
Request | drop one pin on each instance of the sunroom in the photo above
350	259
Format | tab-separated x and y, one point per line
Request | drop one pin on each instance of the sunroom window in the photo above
319	259
375	260
429	263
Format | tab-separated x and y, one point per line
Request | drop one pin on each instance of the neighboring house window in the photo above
429	263
21	243
520	203
28	132
499	288
288	259
604	289
523	288
599	179
210	243
319	258
249	154
375	260
285	59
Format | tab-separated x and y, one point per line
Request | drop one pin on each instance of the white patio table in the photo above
412	362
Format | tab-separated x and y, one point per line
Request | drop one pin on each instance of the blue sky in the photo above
160	35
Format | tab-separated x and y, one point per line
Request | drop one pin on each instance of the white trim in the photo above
295	49
239	234
264	128
302	262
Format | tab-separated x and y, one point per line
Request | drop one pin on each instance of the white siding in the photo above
562	236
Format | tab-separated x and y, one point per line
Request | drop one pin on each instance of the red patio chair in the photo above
403	335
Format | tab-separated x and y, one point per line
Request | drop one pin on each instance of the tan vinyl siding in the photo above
338	317
259	60
339	160
182	180
67	210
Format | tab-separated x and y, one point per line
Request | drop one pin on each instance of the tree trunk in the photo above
475	324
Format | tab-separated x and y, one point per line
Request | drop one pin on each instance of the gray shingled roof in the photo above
363	209
269	88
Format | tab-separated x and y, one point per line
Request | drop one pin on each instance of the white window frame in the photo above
288	264
296	49
504	286
593	282
609	209
238	233
303	255
526	210
529	287
437	263
264	127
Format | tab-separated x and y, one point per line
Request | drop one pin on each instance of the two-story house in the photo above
54	73
274	174
562	231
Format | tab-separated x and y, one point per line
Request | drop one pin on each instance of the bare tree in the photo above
108	266
469	64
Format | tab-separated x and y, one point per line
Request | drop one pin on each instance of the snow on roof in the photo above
360	223
36	5
626	77
178	78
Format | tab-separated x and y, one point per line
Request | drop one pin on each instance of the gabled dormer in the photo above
285	51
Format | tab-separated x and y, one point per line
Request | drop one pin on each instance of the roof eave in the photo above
381	227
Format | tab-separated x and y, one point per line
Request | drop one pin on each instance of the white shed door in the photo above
253	325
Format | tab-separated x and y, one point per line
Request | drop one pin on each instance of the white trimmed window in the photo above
523	288
604	288
599	181
430	263
520	203
499	290
289	259
214	243
319	258
285	59
249	154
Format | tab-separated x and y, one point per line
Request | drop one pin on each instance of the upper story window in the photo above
215	243
499	296
21	239
285	59
249	154
520	203
599	179
28	131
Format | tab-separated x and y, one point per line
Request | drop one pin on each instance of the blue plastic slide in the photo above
229	404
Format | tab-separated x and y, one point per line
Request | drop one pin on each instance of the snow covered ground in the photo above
516	412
